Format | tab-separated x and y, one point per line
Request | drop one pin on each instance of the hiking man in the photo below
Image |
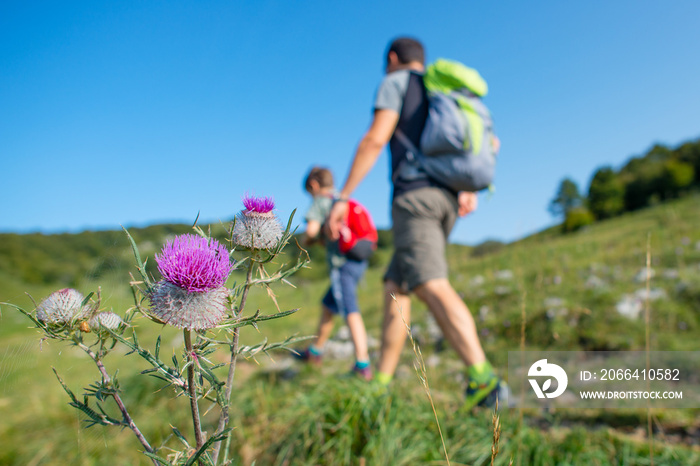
423	214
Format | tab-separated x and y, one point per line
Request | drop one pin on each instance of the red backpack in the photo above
358	237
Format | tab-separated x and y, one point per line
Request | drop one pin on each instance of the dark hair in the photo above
321	175
407	50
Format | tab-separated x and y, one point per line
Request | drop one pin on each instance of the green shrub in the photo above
677	176
487	247
606	194
577	218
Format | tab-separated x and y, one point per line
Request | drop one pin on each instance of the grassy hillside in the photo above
571	290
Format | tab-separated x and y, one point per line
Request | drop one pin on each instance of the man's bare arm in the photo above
368	150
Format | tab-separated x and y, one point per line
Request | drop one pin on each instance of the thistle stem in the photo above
224	418
117	399
194	406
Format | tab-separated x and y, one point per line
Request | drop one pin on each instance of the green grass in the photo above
304	416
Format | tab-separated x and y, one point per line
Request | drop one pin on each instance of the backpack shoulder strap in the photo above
409	167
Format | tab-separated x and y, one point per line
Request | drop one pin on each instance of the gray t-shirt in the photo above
318	211
391	95
392	91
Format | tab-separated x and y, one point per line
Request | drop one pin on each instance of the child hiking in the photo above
346	270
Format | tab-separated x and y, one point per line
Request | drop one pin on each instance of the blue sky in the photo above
138	112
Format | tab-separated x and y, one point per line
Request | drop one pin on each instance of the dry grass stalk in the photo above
496	421
423	376
647	324
523	324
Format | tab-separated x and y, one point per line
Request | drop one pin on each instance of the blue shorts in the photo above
341	297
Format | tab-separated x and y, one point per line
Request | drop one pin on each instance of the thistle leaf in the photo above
140	265
180	437
157	350
251	320
157	458
202	452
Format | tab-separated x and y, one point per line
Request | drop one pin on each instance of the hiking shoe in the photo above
486	394
377	388
307	356
364	373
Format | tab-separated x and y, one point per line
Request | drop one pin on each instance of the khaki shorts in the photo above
422	219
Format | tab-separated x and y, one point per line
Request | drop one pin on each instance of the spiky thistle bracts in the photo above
105	320
256	226
194	264
62	307
176	306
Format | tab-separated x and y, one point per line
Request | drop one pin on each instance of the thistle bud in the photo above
61	307
256	226
105	320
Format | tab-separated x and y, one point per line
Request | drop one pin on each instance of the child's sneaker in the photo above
362	372
486	394
309	356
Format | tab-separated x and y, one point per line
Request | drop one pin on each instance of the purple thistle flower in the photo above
175	306
194	264
261	205
61	307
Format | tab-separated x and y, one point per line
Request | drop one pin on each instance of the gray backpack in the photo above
456	146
